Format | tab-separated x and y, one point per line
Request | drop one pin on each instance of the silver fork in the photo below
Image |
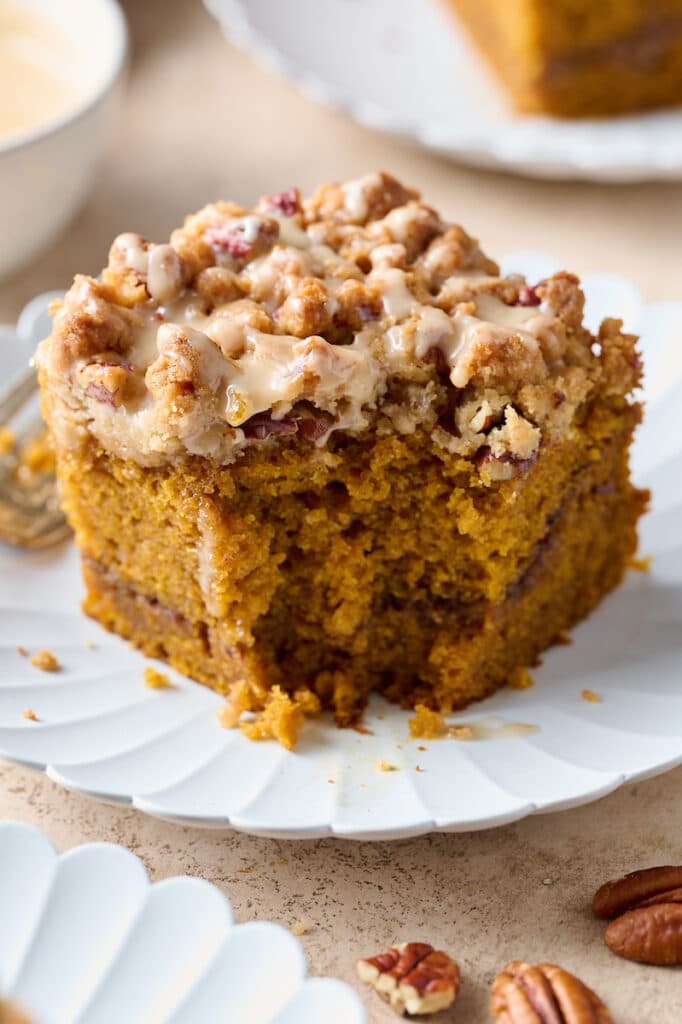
30	513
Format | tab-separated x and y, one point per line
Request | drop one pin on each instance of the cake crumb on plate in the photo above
426	724
156	680
590	696
7	440
521	679
45	660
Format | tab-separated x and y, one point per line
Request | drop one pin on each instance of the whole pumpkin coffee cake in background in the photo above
578	58
321	448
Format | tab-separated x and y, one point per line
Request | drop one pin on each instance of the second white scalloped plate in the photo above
102	733
408	68
85	938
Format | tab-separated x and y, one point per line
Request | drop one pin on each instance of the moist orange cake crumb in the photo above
7	440
45	660
37	455
520	679
156	680
426	724
590	696
323	447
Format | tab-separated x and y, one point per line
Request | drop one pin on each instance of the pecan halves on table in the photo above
413	977
544	994
645	908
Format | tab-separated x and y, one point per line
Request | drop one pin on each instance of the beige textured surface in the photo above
482	896
200	121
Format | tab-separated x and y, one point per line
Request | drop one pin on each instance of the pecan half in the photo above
263	425
307	421
635	890
649	935
647	907
544	994
413	977
312	423
110	383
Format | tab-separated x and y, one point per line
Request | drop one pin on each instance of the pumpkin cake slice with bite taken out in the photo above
321	448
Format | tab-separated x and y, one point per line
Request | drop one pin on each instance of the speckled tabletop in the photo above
201	121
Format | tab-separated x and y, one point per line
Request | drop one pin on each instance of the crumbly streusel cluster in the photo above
359	308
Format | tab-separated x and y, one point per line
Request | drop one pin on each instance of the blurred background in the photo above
200	120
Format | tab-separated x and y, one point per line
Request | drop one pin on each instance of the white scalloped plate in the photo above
102	733
85	938
409	69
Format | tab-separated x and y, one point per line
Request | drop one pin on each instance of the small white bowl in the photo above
45	174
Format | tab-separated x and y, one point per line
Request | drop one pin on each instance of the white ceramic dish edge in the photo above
76	951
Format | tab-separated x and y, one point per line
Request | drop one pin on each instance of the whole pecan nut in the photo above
646	912
413	977
544	994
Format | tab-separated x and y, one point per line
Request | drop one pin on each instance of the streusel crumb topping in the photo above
357	308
